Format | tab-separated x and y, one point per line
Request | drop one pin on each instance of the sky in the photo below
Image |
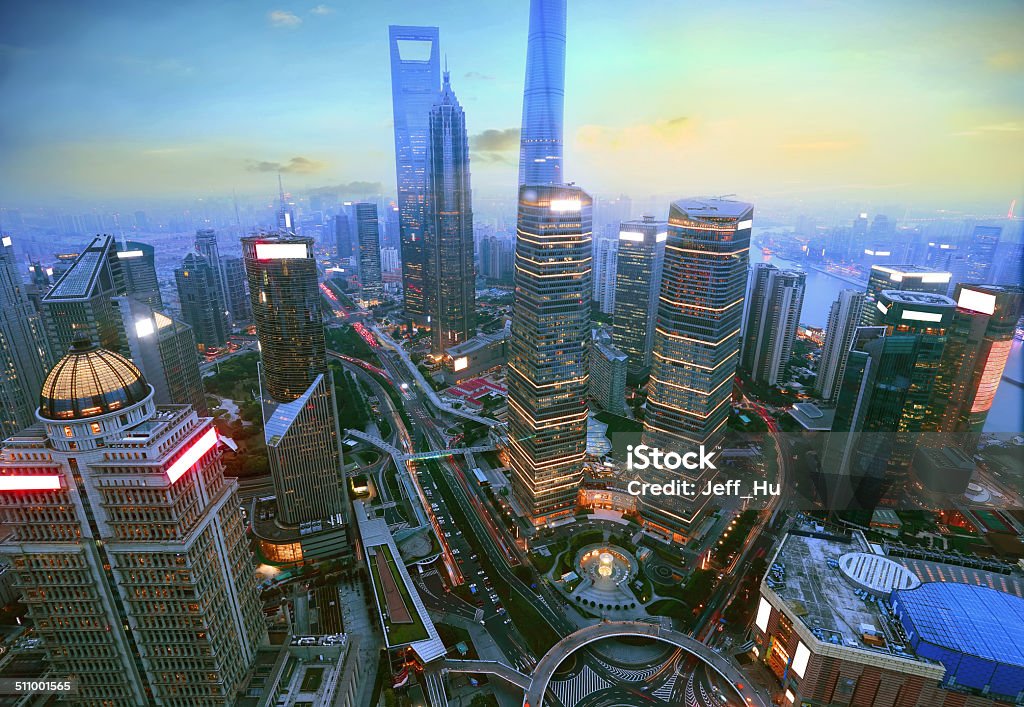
919	102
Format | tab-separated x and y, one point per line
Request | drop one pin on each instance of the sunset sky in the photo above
914	101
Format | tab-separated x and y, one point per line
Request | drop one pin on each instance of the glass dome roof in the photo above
90	381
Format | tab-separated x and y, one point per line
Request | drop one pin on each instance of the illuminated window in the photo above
95	427
68	432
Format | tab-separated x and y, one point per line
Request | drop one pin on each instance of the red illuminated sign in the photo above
192	455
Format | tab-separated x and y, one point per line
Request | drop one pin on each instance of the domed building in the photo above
127	540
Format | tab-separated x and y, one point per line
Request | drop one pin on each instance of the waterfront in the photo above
1007	413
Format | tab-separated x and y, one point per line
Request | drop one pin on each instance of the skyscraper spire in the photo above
540	152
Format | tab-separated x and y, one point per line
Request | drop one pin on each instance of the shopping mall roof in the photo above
968	619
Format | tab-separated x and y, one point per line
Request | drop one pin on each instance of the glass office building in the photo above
548	357
540	154
641	256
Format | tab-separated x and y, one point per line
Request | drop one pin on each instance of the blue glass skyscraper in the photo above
540	152
448	262
415	81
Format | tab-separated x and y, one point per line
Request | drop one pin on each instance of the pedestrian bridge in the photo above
399	456
490	667
612	629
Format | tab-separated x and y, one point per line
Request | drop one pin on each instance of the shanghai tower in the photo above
540	151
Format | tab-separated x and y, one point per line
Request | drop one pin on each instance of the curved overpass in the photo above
613	629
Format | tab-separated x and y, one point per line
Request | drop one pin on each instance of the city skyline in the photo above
945	127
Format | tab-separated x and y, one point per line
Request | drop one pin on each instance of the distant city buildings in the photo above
775	298
25	355
342	235
641	256
415	80
371	283
127	540
496	258
696	341
981	254
548	353
843	319
608	375
448	237
201	301
540	152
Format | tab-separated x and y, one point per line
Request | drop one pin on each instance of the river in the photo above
1007	413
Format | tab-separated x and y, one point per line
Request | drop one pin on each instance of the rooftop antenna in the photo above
1013	205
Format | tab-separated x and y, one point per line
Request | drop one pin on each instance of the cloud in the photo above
670	132
495	140
322	10
1010	126
477	76
1009	60
284	18
296	165
356	188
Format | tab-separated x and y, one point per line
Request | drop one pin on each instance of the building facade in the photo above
696	341
368	231
540	152
608	375
80	304
415	80
139	265
448	238
843	319
606	252
201	301
299	410
548	364
164	349
638	269
25	355
912	278
128	545
775	298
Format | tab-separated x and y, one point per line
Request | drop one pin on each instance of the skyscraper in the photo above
540	153
139	266
236	293
448	237
696	340
368	232
870	403
342	235
301	425
606	252
130	551
206	246
843	319
773	314
641	257
974	359
24	349
284	218
981	253
164	349
202	306
608	375
415	79
912	278
697	331
81	305
548	357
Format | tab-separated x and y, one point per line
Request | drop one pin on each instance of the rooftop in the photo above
918	298
703	208
967	619
811	417
477	342
90	381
